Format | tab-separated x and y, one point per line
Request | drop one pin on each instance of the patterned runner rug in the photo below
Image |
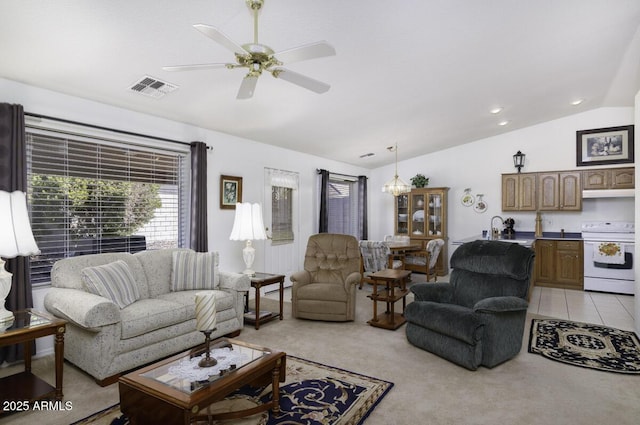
586	345
313	393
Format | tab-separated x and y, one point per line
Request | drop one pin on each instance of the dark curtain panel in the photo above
13	176
324	193
199	230
363	231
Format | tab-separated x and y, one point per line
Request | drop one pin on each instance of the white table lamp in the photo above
248	226
16	239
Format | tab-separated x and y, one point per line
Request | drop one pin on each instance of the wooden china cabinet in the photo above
422	215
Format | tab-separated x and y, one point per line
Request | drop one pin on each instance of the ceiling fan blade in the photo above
301	80
220	38
305	52
194	67
247	87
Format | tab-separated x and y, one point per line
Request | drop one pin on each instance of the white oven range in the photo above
609	250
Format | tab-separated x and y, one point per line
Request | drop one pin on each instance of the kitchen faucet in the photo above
495	232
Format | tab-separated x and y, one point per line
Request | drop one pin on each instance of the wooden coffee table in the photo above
154	395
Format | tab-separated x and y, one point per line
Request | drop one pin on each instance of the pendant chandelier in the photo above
396	186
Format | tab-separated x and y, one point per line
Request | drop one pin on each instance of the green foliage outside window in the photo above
92	208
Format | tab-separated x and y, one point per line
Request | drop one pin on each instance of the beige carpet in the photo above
526	390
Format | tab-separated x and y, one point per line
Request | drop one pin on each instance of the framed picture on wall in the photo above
230	192
602	146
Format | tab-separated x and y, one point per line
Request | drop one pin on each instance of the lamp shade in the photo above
248	224
16	237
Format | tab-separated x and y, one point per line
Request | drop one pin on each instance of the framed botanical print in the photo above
230	191
602	146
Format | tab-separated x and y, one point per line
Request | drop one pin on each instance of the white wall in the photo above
230	156
478	165
637	213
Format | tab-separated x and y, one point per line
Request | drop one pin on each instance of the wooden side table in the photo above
25	386
257	282
391	279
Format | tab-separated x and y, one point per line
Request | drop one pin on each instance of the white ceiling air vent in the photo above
152	87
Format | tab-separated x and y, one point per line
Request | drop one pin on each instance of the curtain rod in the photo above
319	170
98	127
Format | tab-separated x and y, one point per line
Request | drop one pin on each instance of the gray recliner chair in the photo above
478	317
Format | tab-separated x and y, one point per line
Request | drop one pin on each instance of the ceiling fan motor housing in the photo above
255	4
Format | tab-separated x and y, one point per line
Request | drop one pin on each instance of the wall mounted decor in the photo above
230	192
603	146
468	199
481	204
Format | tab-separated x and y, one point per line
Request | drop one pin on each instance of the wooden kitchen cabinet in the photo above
545	260
609	178
560	191
519	192
559	264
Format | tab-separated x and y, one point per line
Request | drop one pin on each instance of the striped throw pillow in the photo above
194	270
113	281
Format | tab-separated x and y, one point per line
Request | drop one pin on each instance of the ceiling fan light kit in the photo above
258	57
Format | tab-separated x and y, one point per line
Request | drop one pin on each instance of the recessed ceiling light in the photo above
503	123
577	102
496	110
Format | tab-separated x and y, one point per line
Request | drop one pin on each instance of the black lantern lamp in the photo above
518	160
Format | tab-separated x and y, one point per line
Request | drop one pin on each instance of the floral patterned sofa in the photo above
126	310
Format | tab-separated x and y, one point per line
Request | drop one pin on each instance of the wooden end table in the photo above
395	290
28	325
156	395
257	282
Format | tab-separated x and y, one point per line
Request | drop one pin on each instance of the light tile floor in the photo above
599	308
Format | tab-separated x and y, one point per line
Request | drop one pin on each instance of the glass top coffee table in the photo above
24	387
177	391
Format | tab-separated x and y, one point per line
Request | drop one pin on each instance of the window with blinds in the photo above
281	215
282	184
342	207
90	195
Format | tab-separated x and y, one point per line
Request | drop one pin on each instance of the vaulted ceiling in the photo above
424	74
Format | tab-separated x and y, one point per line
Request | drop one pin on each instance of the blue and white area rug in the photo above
312	394
586	345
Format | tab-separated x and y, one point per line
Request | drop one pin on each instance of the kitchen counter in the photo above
526	238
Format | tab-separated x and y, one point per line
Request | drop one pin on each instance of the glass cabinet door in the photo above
418	214
435	206
402	215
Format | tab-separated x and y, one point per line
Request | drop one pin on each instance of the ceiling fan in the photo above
259	57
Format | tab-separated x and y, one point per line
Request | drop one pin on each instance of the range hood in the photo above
609	193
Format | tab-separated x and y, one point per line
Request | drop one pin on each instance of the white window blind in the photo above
93	195
342	206
282	183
